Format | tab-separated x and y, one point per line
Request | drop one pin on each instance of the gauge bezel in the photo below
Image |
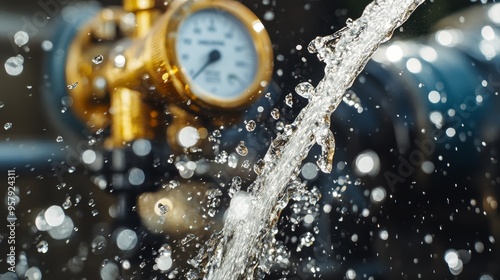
262	45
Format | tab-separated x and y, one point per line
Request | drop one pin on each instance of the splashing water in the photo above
237	250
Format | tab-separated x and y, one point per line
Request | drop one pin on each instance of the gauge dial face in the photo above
217	54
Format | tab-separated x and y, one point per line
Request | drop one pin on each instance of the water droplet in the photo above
67	203
232	160
275	113
221	158
163	208
235	186
428	238
245	164
21	38
109	271
309	171
350	274
313	45
64	230
251	125
184	169
187	239
54	215
98	59
351	99
324	138
378	195
98	244
165	250
73	85
67	101
280	126
164	263
306	240
47	45
170	159
211	212
289	100
33	273
59	139
104	262
192	274
383	234
479	247
173	184
216	133
120	61
126	240
60	186
258	167
14	65
324	47
188	136
7	126
269	15
304	89
42	247
241	149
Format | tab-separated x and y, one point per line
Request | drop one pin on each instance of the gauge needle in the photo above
213	56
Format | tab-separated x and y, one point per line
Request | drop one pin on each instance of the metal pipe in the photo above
26	155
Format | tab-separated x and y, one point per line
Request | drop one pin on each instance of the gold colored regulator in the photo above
201	62
209	57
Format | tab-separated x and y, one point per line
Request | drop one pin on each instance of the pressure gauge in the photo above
217	54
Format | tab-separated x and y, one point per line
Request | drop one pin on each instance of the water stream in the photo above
237	251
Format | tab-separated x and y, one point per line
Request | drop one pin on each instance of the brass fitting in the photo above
140	5
138	76
130	116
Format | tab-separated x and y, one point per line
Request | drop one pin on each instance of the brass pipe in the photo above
145	11
137	5
144	20
129	116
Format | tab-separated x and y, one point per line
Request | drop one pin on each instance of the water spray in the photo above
235	252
